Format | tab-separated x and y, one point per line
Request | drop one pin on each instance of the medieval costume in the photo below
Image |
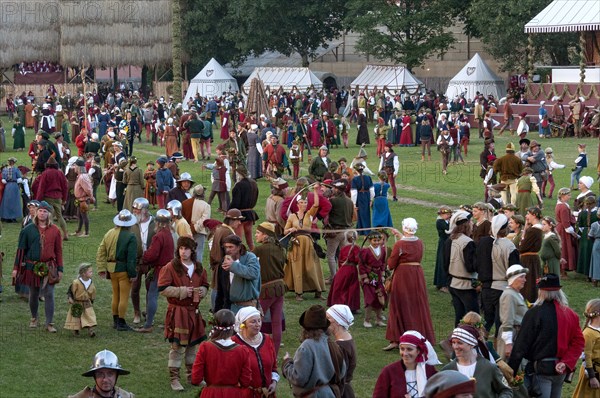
133	178
528	250
345	288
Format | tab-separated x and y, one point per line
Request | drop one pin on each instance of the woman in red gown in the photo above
406	136
344	286
233	375
371	267
263	359
408	301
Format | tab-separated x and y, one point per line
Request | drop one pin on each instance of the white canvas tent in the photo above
475	76
394	78
287	78
212	80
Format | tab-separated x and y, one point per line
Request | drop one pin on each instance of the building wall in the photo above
436	73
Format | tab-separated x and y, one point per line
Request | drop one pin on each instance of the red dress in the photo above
406	136
225	125
150	190
231	378
371	266
564	220
345	288
315	136
408	301
262	374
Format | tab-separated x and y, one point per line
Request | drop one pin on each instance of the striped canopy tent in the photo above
581	16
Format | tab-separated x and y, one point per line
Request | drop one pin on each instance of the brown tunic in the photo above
183	323
528	250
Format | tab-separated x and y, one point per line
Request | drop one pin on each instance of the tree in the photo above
501	27
404	31
205	28
176	50
296	26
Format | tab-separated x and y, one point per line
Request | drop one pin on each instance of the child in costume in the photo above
372	262
81	296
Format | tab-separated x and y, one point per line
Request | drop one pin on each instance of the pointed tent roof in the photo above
390	76
566	16
302	78
212	71
475	76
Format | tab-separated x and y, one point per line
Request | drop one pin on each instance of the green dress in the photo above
524	196
585	244
19	136
550	254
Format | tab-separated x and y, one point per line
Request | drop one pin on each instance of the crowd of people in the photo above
492	255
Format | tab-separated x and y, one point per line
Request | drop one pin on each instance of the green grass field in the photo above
34	362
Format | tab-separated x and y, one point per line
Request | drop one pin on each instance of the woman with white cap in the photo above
472	361
512	309
408	301
263	362
408	376
340	319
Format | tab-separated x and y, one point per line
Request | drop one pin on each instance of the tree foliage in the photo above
501	27
289	27
206	28
405	31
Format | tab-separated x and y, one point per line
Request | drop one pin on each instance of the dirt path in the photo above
428	191
419	202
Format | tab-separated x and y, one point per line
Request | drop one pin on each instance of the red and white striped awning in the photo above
566	16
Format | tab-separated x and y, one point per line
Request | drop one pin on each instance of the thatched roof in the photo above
30	29
103	33
116	33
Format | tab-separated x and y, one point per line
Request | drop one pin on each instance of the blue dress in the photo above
363	184
381	210
10	208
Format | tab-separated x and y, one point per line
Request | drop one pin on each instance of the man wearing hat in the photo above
526	185
172	164
508	116
144	230
272	259
275	158
577	109
320	165
390	164
195	211
550	339
327	130
340	218
243	287
181	191
318	365
32	251
164	182
536	159
523	149
362	193
105	370
195	126
235	147
302	134
244	196
449	383
52	187
220	178
233	219
510	168
116	260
